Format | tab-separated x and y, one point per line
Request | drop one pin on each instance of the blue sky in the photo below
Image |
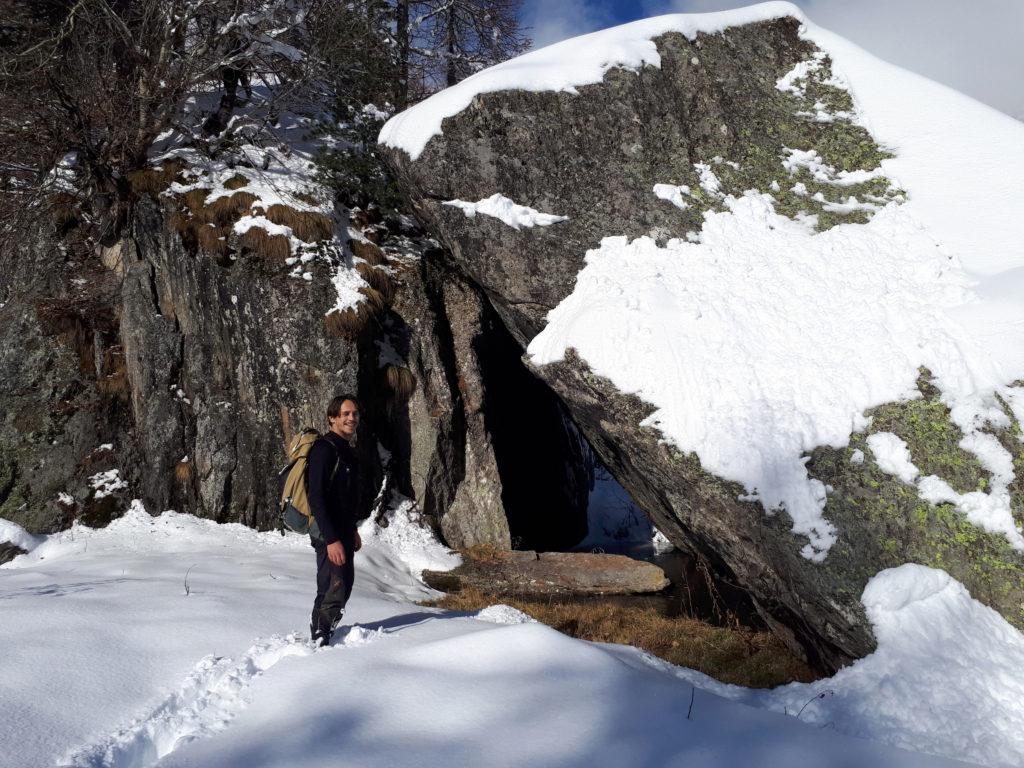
974	46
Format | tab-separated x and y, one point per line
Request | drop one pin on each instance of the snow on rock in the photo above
683	326
108	482
565	66
673	193
12	533
759	339
892	456
990	510
500	207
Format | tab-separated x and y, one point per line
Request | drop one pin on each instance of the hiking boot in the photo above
319	638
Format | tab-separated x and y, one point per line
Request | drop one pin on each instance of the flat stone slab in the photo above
550	573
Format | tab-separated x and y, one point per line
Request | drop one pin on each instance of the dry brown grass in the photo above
194	200
183	472
368	252
308	226
213	240
208	227
112	381
236	182
273	248
400	381
379	281
349	323
153	181
225	211
732	655
362	218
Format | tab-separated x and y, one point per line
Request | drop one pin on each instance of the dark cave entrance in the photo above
558	495
545	464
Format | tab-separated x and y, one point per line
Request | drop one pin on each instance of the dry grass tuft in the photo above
379	281
183	472
368	252
374	299
733	655
273	248
349	323
112	380
213	240
400	380
194	200
308	226
153	181
64	211
225	211
236	182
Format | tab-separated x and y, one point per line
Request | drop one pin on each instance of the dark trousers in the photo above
333	587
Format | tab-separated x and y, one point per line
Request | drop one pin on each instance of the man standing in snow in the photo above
333	474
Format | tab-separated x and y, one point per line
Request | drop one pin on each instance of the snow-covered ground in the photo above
111	660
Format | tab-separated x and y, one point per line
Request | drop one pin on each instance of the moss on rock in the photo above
883	522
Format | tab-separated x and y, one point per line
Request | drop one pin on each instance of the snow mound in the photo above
12	533
502	614
945	679
411	543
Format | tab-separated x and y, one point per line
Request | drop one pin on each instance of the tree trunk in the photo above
451	48
402	33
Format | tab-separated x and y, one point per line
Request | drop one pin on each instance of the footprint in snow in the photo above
205	703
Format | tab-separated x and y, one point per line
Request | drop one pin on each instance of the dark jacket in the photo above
333	492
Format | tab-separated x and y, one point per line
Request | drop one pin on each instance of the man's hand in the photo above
336	553
358	544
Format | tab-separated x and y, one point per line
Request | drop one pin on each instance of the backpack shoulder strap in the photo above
337	457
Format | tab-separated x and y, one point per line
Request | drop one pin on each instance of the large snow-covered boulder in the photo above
777	282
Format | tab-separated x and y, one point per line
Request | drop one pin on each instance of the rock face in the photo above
490	451
163	372
552	573
594	156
